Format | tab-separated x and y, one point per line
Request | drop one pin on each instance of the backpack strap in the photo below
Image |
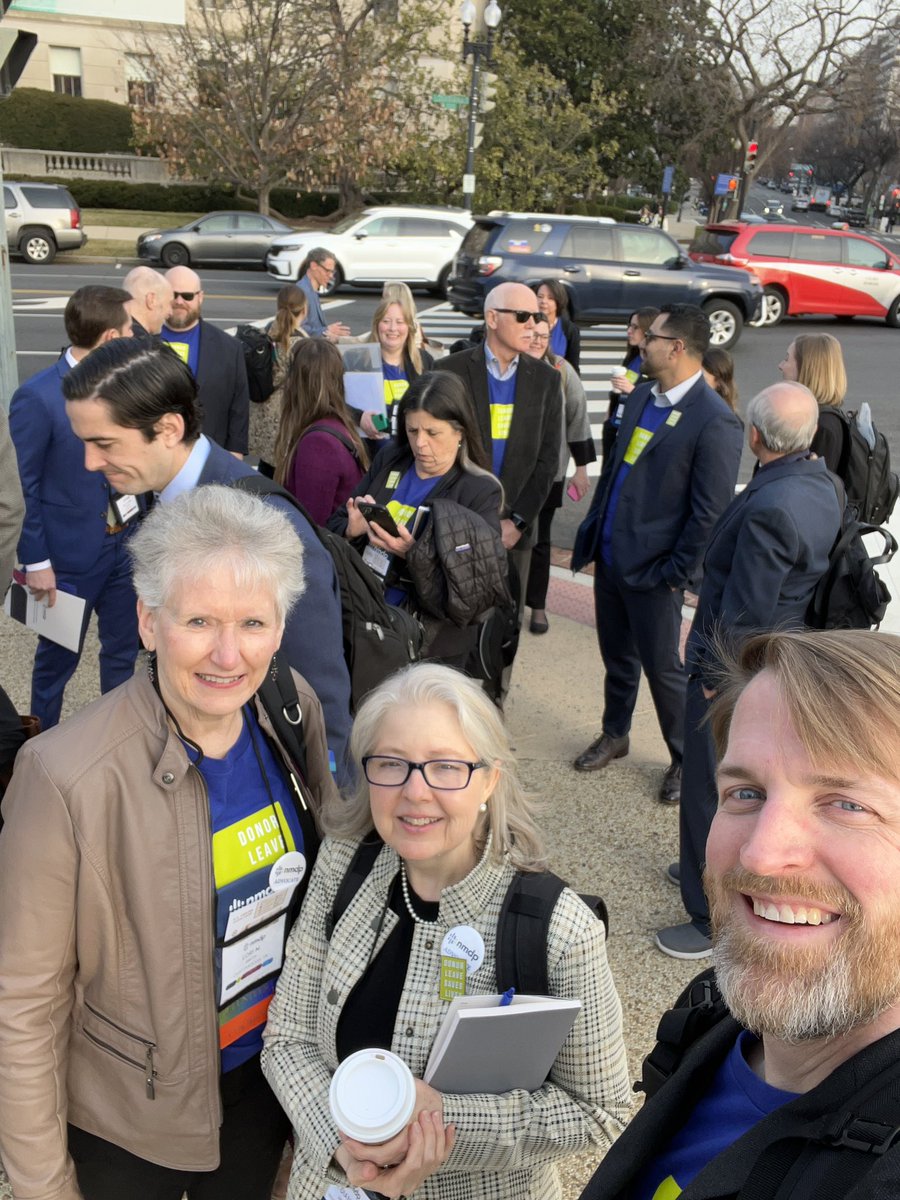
699	1007
281	702
354	877
341	437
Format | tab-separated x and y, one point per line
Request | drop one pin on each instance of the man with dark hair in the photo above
776	1076
76	526
150	303
765	556
134	408
671	475
216	362
318	269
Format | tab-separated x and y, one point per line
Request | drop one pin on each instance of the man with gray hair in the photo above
765	556
317	270
151	301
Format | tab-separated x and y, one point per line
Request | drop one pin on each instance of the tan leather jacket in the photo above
107	1005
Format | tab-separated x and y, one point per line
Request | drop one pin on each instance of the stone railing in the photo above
70	165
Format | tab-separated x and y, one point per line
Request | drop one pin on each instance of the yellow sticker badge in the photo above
674	417
393	479
639	440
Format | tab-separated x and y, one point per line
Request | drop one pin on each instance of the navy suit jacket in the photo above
766	554
66	506
223	391
313	635
673	495
532	449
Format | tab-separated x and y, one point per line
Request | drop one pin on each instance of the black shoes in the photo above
601	752
670	790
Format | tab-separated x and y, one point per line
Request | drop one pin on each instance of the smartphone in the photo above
378	515
572	492
380	422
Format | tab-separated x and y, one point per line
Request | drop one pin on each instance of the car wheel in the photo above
774	308
725	322
440	288
38	246
175	255
893	315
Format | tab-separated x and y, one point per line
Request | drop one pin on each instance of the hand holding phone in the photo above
377	514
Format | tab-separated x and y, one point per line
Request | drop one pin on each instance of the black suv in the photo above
608	270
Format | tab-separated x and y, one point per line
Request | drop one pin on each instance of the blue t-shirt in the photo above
315	323
502	393
736	1101
650	420
396	382
409	493
185	343
250	833
559	343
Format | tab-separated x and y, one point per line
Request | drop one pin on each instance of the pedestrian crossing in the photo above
602	348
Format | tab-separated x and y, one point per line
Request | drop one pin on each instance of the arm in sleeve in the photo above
291	1061
484	499
586	1099
12	504
573	345
38	889
828	441
530	500
714	471
578	425
238	435
31	431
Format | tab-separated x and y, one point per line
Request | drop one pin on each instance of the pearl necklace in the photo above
407	899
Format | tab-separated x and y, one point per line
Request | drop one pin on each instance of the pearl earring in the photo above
482	807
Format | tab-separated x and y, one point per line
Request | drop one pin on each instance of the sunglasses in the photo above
185	295
523	314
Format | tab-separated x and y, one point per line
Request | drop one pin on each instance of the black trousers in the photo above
251	1140
640	629
699	797
539	570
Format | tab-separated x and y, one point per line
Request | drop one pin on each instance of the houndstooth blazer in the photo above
506	1145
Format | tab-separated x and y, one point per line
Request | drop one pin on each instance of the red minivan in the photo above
807	269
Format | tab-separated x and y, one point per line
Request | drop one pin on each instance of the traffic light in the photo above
15	50
479	134
750	156
488	91
732	185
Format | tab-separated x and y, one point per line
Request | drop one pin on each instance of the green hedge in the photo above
38	120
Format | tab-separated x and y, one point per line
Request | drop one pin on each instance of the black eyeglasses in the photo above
442	774
650	336
184	296
523	314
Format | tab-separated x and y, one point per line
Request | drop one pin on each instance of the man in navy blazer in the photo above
134	409
76	527
216	361
672	474
767	553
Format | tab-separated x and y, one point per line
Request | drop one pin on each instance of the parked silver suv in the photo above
41	218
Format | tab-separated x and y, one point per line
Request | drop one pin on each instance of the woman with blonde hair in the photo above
816	361
285	333
395	329
319	455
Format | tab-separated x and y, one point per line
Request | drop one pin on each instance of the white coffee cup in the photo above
372	1096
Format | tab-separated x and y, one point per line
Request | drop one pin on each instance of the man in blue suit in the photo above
767	553
76	526
134	408
672	474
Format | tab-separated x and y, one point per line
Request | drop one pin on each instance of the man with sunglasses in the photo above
671	475
518	407
216	362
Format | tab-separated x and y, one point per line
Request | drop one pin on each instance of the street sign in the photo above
450	100
468	185
725	185
668	176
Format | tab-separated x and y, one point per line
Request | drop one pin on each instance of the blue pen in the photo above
507	998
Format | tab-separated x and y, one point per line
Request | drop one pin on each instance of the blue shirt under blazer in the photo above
673	494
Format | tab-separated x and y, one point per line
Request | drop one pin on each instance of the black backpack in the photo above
865	471
522	929
379	638
259	359
821	1158
850	595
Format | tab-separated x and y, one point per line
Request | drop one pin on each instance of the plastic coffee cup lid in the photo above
372	1095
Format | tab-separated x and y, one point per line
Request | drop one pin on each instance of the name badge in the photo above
378	560
393	479
462	941
674	417
125	507
252	958
287	871
453	977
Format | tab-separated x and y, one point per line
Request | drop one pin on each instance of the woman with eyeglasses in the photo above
627	377
565	336
440	802
578	444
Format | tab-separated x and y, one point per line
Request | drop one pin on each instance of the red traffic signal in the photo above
732	184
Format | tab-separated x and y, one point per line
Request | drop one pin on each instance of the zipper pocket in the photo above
150	1073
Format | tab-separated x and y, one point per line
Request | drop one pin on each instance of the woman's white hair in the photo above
212	526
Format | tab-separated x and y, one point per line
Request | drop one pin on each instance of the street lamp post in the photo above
480	52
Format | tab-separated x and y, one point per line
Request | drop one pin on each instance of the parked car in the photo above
414	245
41	218
607	269
800	204
807	269
219	237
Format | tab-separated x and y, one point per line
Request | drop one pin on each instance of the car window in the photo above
592	242
771	244
45	197
462	230
865	254
422	227
647	246
817	247
255	222
217	224
523	237
380	227
9	199
713	241
477	238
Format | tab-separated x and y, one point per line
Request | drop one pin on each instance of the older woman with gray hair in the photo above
443	826
155	852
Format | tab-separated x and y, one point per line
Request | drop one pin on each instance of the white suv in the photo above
415	245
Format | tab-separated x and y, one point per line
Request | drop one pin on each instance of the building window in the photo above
141	85
65	67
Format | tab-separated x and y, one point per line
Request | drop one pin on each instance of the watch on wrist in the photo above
520	523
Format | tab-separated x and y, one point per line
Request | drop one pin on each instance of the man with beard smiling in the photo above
792	1087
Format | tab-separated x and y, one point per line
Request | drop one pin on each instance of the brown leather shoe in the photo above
601	752
670	789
